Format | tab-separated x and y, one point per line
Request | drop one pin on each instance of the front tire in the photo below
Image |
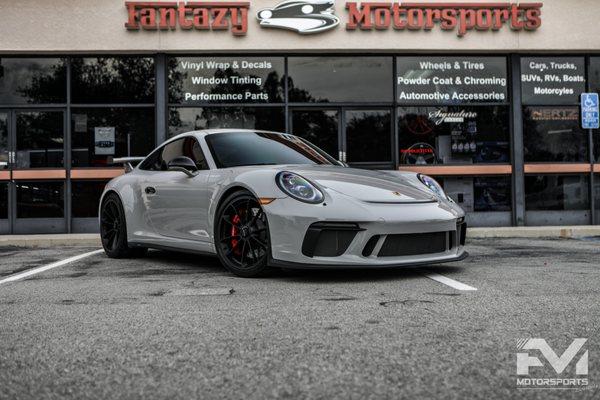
113	229
242	235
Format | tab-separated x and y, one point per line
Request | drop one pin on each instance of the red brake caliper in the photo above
234	234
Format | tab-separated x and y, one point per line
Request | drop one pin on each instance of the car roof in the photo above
206	132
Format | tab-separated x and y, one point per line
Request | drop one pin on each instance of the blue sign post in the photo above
590	111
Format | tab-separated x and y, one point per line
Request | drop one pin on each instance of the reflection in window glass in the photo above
597	196
190	119
85	196
320	127
40	199
40	139
340	79
3	200
480	194
33	80
100	134
4	139
553	134
112	80
594	74
454	135
196	80
368	135
557	192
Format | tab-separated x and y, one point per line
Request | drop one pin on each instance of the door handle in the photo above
150	190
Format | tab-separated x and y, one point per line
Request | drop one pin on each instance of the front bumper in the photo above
288	232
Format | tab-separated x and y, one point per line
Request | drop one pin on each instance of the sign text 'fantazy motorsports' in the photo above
310	16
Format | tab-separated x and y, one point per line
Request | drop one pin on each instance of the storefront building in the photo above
483	96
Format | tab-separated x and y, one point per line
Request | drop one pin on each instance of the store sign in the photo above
104	140
313	16
200	15
459	17
228	79
552	80
451	80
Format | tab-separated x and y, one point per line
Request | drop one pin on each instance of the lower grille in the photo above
329	239
414	244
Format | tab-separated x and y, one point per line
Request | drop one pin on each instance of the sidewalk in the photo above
93	240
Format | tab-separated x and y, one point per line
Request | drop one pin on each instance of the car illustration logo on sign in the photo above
302	16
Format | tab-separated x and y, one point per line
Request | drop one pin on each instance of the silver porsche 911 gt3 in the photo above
259	199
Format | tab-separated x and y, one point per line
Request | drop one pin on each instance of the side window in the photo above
188	147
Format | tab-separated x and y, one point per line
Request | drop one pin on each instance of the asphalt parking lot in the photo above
179	326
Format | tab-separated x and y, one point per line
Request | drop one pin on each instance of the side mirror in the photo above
183	164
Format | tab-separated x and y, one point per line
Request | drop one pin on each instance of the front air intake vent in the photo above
414	244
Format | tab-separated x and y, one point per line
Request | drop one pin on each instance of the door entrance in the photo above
32	171
360	137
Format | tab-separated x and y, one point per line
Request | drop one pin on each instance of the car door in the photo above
176	204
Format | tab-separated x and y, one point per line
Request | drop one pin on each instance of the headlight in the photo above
433	186
298	187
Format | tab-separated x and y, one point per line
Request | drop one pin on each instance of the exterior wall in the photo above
33	26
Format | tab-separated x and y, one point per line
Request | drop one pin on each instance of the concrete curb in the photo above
93	239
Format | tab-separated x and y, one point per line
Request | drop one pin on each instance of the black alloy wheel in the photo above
113	229
242	235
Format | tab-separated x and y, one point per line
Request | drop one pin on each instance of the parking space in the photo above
179	325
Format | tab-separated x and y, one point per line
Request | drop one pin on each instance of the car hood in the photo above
365	185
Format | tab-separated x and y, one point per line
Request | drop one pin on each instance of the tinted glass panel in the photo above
112	80
597	196
4	140
452	80
101	134
40	199
196	80
482	194
235	149
320	127
552	80
33	80
85	197
40	139
553	134
3	200
454	135
594	74
368	135
557	192
340	79
190	119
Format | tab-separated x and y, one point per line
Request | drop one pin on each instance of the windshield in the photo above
236	149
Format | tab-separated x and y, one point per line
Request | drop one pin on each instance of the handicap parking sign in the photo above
590	111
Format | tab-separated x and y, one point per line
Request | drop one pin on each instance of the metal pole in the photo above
161	100
518	181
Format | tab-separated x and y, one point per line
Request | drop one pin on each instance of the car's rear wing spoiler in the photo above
128	162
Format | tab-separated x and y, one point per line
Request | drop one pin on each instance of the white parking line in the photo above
38	270
449	282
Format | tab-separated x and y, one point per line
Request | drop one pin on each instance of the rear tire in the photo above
242	236
113	230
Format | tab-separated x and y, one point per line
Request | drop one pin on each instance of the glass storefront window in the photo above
320	127
183	119
368	135
597	196
100	134
454	135
557	192
554	134
451	80
201	80
3	200
85	196
340	79
552	80
33	80
40	139
40	199
480	194
105	80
